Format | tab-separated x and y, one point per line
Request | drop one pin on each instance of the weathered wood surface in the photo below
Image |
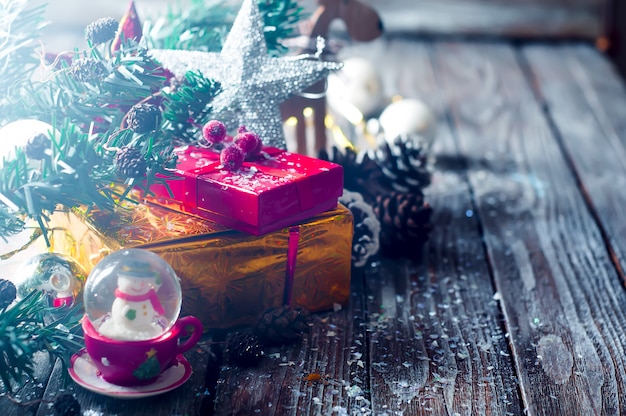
335	348
587	104
519	18
559	290
443	347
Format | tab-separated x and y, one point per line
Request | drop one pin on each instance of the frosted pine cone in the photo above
130	163
365	242
405	223
87	70
143	118
360	173
245	349
404	166
36	146
101	30
8	292
67	405
282	325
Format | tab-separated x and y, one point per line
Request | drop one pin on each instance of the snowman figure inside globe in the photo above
136	310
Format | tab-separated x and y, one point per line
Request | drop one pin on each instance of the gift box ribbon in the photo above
292	256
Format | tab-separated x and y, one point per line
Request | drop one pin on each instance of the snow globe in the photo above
132	330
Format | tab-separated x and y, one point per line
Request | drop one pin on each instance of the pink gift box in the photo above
278	189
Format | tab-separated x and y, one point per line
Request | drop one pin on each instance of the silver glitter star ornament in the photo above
253	83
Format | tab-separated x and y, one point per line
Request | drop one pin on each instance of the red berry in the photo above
242	129
254	154
231	158
247	142
214	131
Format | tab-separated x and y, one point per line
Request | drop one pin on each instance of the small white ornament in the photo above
409	119
356	85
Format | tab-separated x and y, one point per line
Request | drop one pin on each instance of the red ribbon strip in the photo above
292	255
151	296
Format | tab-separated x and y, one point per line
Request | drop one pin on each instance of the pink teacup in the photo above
132	363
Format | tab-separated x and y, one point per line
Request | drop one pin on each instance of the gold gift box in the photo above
228	278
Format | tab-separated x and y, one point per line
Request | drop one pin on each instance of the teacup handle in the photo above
195	336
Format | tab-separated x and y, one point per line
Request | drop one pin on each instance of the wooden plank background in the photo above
519	18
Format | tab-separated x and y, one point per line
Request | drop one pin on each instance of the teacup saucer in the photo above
85	374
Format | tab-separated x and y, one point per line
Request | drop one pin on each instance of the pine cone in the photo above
36	146
245	350
67	405
87	70
282	325
143	118
403	165
101	30
360	173
405	223
129	162
8	292
365	242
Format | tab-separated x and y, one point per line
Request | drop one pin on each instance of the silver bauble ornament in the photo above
60	277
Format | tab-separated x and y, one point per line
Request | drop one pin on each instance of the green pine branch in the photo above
203	25
188	105
26	328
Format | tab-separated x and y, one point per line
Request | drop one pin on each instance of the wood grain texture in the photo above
31	391
438	345
558	287
334	348
587	104
522	18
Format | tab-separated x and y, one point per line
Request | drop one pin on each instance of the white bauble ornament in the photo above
17	134
356	85
409	119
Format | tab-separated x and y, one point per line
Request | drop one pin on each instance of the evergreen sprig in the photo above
87	117
26	328
189	103
281	18
65	177
203	25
